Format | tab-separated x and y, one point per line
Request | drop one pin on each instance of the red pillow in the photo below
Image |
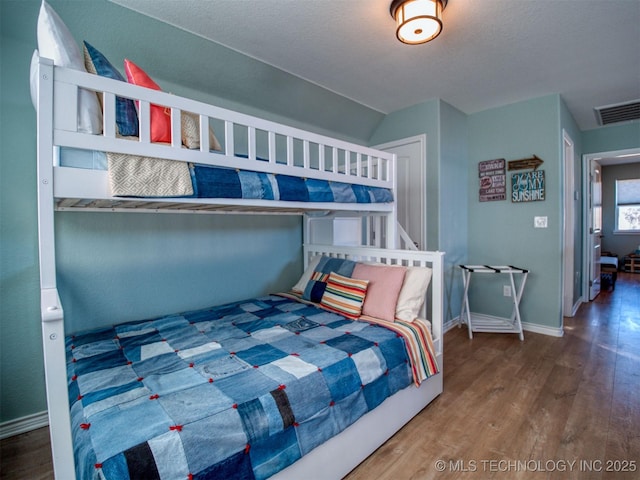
160	116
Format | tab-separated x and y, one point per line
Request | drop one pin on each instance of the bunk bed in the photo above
265	150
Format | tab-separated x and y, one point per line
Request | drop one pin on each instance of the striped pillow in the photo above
344	295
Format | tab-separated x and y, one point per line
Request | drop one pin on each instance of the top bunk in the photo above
206	160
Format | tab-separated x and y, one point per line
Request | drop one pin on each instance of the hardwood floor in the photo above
547	407
531	409
26	456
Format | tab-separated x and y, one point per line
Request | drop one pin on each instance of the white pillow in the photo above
306	276
412	293
56	42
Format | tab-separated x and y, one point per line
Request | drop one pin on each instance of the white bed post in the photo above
306	239
51	310
437	303
392	217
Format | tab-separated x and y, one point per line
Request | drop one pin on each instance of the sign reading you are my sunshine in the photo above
527	186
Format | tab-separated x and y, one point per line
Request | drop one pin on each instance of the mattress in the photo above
235	391
143	177
78	158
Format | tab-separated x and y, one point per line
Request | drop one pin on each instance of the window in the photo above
628	205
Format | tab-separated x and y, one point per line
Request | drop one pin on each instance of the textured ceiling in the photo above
490	53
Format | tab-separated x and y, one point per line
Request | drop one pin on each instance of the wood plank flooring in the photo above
545	408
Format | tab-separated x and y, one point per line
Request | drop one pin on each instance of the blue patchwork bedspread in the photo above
236	391
218	182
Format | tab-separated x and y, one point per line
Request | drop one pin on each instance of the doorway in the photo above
594	227
411	176
591	265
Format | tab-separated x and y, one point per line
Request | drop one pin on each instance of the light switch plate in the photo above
540	222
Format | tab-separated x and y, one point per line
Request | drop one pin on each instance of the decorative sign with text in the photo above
493	180
527	186
526	163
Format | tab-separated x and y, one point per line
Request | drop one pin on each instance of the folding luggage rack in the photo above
478	322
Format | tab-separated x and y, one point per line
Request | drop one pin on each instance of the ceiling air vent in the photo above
621	112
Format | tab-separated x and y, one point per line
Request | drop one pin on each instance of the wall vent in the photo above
621	112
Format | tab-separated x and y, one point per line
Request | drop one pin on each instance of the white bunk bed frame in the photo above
64	188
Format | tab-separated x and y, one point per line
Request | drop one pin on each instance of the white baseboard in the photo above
24	424
450	324
529	327
576	306
544	330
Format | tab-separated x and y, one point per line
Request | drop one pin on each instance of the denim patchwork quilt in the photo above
219	182
236	391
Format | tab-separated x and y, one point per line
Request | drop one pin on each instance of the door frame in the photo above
568	282
594	235
422	141
612	157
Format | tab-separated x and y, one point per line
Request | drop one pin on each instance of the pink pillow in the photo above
384	287
160	116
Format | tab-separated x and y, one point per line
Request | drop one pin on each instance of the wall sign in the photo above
526	163
527	186
493	180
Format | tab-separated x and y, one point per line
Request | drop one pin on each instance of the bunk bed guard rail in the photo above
249	143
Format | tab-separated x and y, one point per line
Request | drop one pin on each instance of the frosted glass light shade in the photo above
419	21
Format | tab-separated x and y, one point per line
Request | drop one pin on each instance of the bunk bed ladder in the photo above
51	308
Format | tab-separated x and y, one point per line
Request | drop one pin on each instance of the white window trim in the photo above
617	231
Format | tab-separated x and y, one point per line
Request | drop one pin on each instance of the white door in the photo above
595	227
412	190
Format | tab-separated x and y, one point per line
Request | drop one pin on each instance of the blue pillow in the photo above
315	288
126	114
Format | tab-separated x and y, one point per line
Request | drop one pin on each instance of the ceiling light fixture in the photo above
419	21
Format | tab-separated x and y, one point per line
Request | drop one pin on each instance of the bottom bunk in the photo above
273	386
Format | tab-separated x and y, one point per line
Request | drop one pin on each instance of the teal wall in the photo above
21	370
619	243
612	138
453	219
502	232
133	266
